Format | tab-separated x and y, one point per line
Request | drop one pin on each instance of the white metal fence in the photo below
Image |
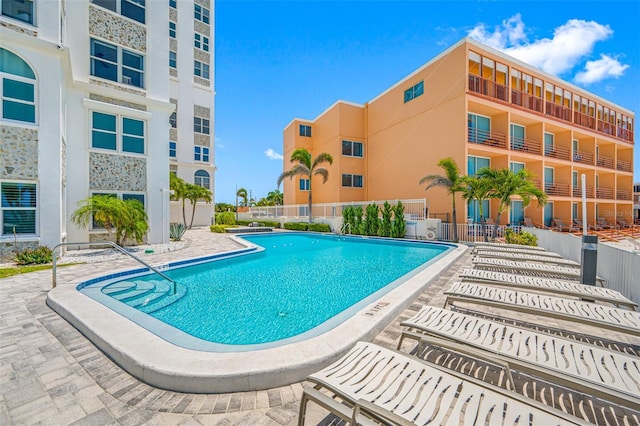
469	233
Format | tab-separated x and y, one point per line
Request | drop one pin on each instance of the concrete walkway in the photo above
50	374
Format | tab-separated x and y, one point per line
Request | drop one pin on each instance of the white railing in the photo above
472	232
414	209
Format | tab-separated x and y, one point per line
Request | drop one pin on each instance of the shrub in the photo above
220	229
399	226
347	220
371	221
37	256
269	223
524	238
384	230
319	227
226	218
358	227
177	230
296	226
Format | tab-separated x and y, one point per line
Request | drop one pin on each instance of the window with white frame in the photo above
117	133
114	63
201	178
173	59
17	88
201	153
352	181
201	125
304	184
172	29
18	207
201	13
201	69
351	149
173	149
305	130
22	10
201	42
133	9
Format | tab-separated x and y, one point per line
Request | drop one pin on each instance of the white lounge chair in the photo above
515	250
600	316
372	385
527	257
506	246
528	268
608	374
550	285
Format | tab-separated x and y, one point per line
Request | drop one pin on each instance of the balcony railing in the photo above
606	193
604	161
555	188
622	194
488	88
558	111
584	120
625	166
613	130
526	100
525	145
583	157
559	152
486	137
577	191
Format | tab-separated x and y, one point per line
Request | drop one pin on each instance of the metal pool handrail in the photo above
115	246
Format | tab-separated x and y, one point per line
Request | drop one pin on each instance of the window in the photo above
574	211
352	149
173	59
117	133
516	167
517	137
173	4
548	213
134	9
548	143
474	164
201	42
19	201
352	181
516	214
201	153
201	69
173	119
479	128
116	64
473	210
305	130
201	125
304	184
17	88
549	175
414	92
173	149
140	197
201	13
172	29
201	178
22	10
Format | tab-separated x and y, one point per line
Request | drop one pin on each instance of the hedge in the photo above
319	227
220	229
296	226
269	223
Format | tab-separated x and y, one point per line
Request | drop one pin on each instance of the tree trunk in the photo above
184	214
495	227
310	215
455	221
193	214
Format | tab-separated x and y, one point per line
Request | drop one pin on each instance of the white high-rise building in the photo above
101	97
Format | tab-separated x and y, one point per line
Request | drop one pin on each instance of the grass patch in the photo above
17	270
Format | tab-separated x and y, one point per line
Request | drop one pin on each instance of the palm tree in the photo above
243	195
478	189
178	191
506	184
194	193
450	181
306	168
275	198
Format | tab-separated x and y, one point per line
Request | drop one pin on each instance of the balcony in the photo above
525	145
604	193
622	194
625	166
486	137
526	100
604	161
558	111
584	120
613	130
559	152
489	88
577	191
558	189
583	157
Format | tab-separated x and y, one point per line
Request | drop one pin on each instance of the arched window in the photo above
17	88
201	178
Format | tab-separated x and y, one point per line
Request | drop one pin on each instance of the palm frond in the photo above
302	156
322	158
322	172
298	169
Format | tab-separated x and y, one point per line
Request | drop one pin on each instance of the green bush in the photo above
296	226
399	226
524	238
358	227
226	218
269	223
37	256
220	229
371	221
384	230
319	227
347	219
176	231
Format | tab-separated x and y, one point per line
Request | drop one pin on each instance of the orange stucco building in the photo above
482	108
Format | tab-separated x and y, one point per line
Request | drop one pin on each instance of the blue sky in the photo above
276	61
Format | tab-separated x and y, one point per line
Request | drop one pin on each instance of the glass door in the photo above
516	217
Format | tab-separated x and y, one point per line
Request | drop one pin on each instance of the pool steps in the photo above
146	296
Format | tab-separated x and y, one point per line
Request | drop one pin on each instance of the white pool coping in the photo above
159	363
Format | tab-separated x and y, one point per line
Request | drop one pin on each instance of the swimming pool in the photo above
193	364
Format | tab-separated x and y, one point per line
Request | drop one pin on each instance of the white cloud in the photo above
605	67
272	155
570	46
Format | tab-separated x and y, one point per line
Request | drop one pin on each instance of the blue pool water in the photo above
298	282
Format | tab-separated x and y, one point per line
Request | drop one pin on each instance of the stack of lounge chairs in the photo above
426	385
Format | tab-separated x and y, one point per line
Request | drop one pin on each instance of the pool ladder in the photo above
115	246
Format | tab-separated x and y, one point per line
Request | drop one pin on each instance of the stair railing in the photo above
115	246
